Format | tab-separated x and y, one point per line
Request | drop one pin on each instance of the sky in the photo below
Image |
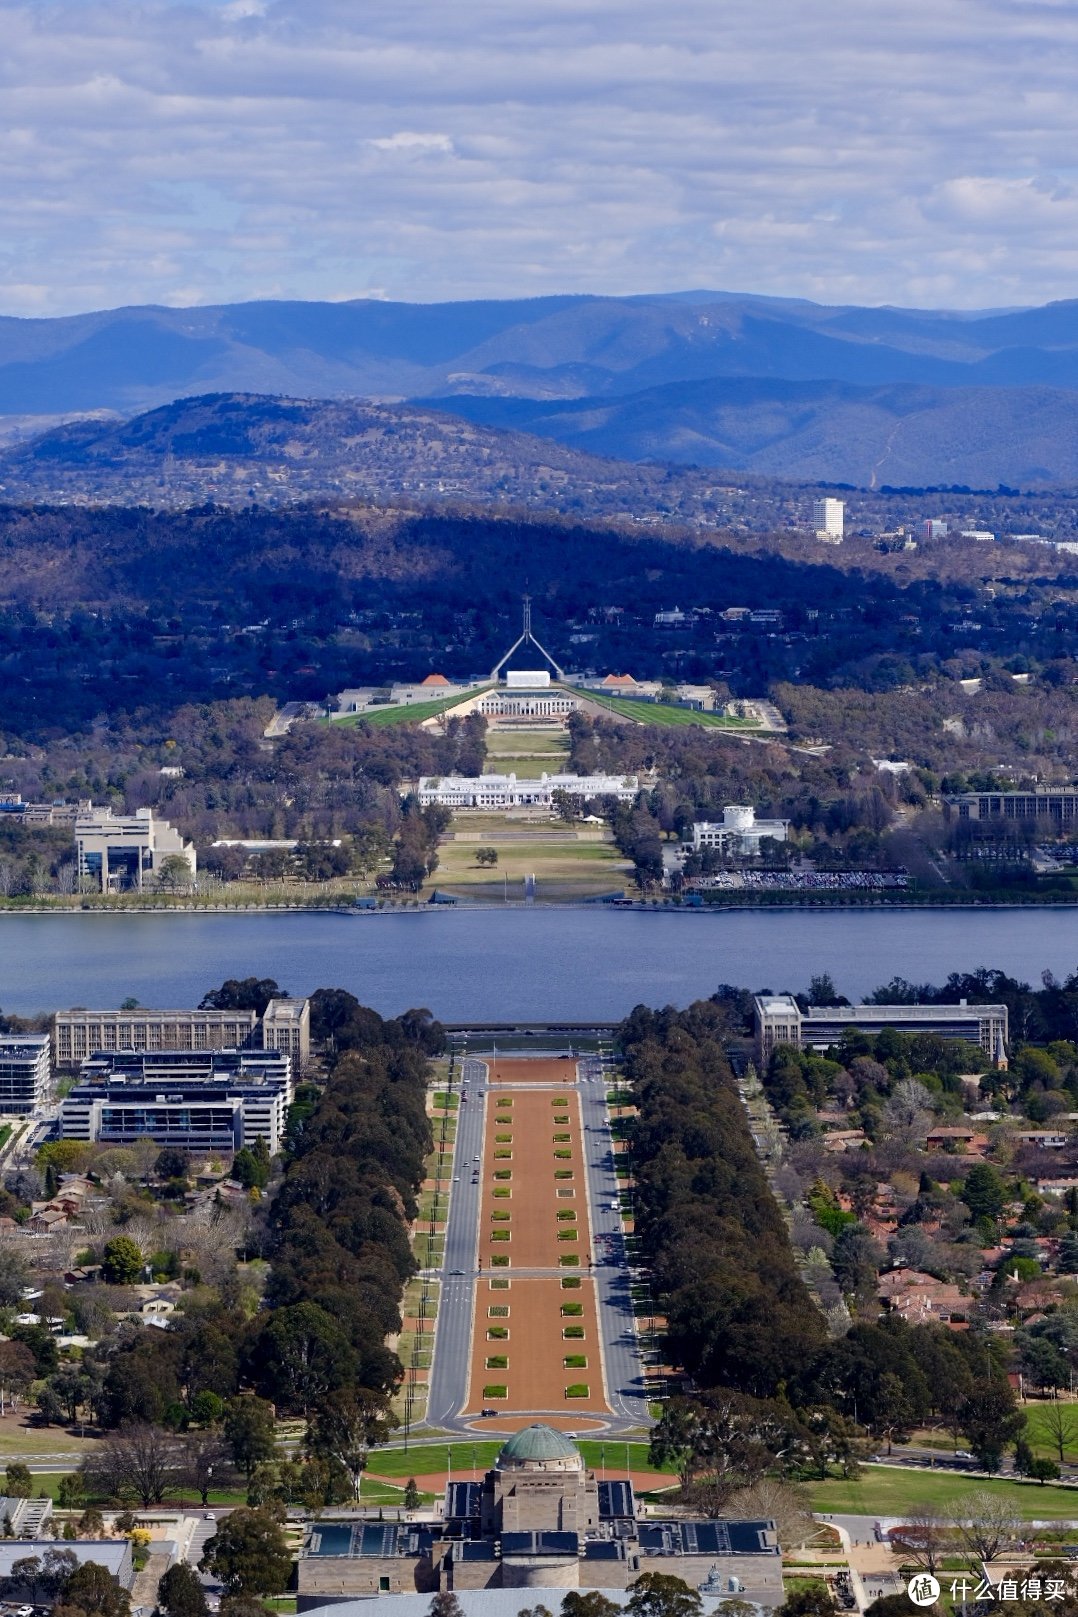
849	151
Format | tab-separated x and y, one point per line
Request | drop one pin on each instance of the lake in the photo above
514	964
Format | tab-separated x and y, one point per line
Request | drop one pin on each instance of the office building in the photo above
933	528
506	791
780	1020
216	1100
828	518
25	1070
127	850
1054	805
79	1034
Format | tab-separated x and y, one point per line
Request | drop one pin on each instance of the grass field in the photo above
424	1459
661	713
563	866
884	1491
412	713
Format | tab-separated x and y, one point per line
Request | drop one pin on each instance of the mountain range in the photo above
784	387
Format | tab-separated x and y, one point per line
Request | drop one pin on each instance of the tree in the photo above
984	1192
14	1274
922	1539
71	1491
121	1262
92	1589
301	1354
344	1429
172	1163
174	871
91	1523
243	994
590	1604
250	1432
990	1420
249	1553
812	1602
139	1460
657	1594
207	1408
18	1483
411	1495
251	1167
985	1523
445	1604
1060	1424
206	1457
486	856
180	1594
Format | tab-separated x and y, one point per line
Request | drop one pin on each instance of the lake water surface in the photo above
527	964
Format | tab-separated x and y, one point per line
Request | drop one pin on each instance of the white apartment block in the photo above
25	1071
126	850
828	518
506	791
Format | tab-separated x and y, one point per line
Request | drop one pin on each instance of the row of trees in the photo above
738	1312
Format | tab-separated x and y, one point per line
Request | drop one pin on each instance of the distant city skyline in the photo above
206	151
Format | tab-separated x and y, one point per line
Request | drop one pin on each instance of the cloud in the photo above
186	150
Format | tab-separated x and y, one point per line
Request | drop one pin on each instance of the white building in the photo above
24	1072
739	831
506	791
828	519
126	850
527	694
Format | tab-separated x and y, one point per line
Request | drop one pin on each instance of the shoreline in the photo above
634	906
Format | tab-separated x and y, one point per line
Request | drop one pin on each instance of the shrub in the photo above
497	1333
503	1139
567	1235
502	1155
564	1119
572	1333
498	1310
562	1139
498	1361
570	1260
566	1216
499	1285
500	1260
503	1173
562	1173
560	1100
573	1361
571	1310
495	1389
501	1191
579	1389
562	1155
499	1218
499	1235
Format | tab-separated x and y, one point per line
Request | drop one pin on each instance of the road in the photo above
622	1359
448	1391
623	1365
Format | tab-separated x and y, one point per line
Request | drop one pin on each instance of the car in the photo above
209	1516
456	1178
456	1271
475	1159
